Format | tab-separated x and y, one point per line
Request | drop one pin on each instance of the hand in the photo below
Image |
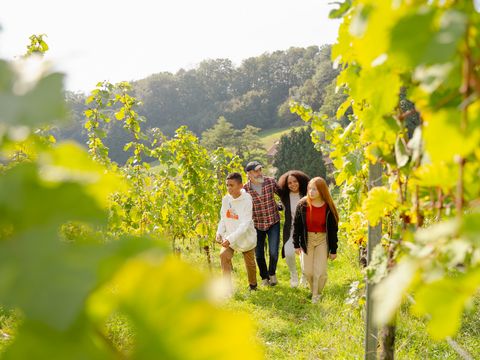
298	251
219	239
226	243
332	256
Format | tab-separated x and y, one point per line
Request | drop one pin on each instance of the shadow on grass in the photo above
292	304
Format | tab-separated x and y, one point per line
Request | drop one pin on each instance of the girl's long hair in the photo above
302	179
322	188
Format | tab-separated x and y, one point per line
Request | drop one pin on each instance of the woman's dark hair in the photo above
302	179
235	176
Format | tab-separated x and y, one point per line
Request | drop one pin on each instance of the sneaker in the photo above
293	283
303	281
252	287
265	282
315	299
273	280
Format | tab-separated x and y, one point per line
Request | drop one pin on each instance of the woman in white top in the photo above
293	186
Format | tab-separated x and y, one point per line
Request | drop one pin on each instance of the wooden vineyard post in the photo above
374	236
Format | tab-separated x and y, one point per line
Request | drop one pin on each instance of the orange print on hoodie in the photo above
231	214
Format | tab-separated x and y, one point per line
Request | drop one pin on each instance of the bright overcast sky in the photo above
94	40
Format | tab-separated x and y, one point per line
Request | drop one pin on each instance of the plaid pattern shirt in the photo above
265	210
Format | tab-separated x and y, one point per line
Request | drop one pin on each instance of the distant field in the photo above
271	135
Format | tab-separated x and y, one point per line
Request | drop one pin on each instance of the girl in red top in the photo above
315	230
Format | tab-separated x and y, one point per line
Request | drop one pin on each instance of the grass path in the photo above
290	327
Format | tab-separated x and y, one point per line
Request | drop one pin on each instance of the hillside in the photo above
257	93
270	136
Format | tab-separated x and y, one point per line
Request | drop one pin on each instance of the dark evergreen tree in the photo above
296	151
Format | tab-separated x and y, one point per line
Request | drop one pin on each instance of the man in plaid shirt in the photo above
265	218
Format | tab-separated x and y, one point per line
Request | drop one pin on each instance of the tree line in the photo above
256	93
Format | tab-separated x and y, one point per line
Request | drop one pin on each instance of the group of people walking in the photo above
250	219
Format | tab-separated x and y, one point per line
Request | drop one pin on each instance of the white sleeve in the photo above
221	229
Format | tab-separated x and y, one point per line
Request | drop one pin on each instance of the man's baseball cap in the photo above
253	165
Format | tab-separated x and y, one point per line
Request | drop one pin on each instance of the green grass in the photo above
290	327
269	136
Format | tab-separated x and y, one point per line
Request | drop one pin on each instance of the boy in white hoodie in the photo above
235	229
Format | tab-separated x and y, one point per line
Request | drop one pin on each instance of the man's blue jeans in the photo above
273	234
